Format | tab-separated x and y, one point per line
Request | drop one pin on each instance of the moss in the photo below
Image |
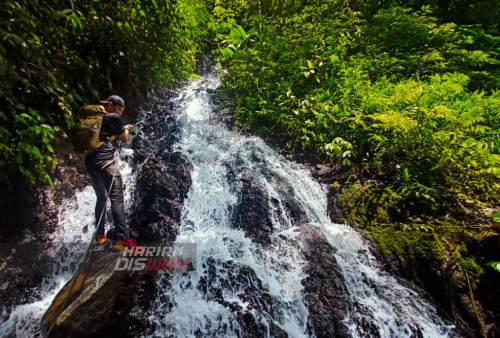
408	244
368	204
442	243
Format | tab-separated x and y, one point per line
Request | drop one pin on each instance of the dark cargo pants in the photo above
101	175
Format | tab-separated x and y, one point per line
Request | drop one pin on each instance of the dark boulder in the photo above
158	129
162	185
325	293
103	301
220	277
29	216
251	212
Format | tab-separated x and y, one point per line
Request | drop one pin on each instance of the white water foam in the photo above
207	221
378	298
69	246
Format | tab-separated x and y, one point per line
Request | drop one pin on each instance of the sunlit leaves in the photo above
494	265
388	103
65	54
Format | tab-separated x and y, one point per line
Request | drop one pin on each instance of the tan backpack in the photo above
85	133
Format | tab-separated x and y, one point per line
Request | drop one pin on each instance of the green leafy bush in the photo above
399	98
57	56
405	103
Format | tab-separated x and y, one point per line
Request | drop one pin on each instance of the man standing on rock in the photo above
106	179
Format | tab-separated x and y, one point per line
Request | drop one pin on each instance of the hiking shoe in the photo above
99	239
121	244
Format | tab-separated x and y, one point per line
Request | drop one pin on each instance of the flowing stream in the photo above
70	244
230	265
215	152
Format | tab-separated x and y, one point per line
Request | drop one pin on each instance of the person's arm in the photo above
125	135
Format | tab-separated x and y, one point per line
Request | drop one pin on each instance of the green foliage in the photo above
462	12
432	243
400	97
495	216
369	204
409	244
494	265
406	103
56	57
445	244
398	43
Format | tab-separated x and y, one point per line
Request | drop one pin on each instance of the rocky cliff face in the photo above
162	184
324	286
325	294
29	218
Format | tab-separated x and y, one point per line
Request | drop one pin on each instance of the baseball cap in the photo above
115	100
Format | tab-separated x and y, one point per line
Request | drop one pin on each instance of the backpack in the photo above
85	133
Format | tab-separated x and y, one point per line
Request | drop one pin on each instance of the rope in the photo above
84	257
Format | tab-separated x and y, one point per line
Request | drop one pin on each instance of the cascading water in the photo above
215	151
207	222
238	280
70	244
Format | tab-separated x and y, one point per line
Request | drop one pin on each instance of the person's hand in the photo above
129	127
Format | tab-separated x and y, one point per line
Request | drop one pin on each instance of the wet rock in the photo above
323	173
251	213
254	208
332	206
28	217
220	278
325	293
24	207
21	271
157	130
162	185
103	301
224	107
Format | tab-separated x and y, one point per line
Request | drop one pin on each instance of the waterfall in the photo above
70	244
214	151
238	279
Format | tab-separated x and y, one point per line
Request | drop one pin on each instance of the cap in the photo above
115	100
